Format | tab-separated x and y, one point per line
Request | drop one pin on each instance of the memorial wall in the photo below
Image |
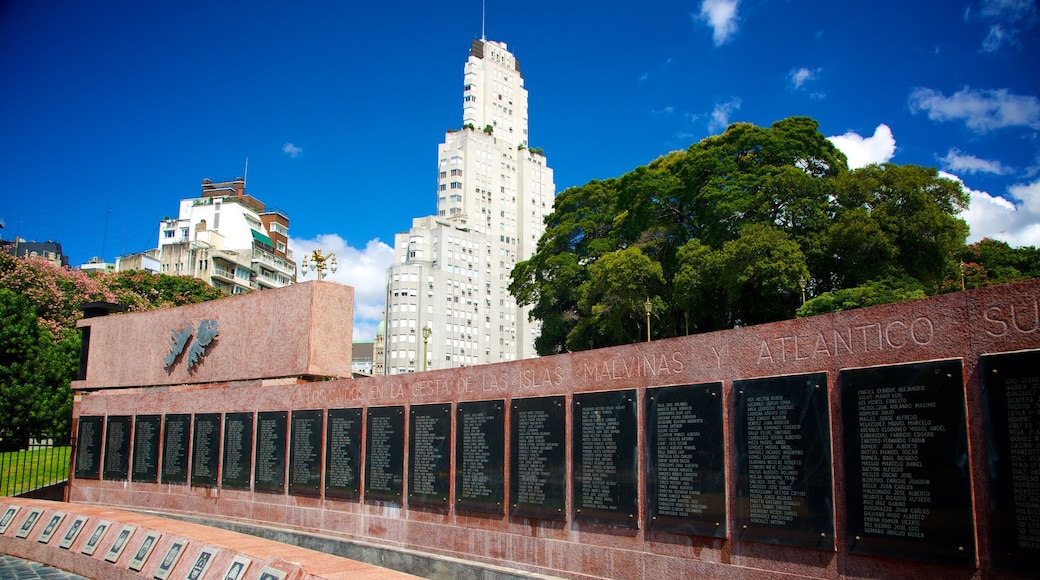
895	440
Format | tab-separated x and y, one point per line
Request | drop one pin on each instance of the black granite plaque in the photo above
384	454
117	447
429	455
205	449
686	459
1011	400
605	458
269	467
88	447
305	453
176	433
907	474
343	454
480	450
538	458
146	448
783	461
238	450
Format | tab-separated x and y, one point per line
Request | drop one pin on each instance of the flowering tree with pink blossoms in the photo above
40	303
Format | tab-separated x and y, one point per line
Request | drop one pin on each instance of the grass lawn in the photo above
28	469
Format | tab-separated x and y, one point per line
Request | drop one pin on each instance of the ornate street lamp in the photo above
426	332
317	262
649	307
802	283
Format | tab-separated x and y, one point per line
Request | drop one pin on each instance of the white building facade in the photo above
452	271
229	239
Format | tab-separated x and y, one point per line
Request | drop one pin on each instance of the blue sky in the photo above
112	111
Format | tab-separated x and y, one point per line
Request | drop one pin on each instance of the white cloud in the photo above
720	115
1015	222
721	16
962	163
862	151
364	269
665	111
995	38
1007	19
292	150
981	110
799	77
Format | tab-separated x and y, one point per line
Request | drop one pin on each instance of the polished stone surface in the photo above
298	331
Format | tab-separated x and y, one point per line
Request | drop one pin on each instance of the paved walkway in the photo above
12	568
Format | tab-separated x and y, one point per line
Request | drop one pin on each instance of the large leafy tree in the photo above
35	371
736	226
611	306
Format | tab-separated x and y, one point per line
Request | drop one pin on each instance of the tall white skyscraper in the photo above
451	271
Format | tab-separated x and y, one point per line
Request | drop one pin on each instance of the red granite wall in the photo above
961	326
303	329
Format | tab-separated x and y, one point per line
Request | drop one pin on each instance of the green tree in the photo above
735	223
35	372
761	271
916	210
871	293
577	233
988	262
612	300
698	289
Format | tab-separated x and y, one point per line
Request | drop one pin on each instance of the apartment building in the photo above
452	270
229	239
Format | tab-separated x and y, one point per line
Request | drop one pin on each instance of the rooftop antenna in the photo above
245	176
483	10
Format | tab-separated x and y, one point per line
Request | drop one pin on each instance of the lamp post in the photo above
426	332
802	283
317	262
649	307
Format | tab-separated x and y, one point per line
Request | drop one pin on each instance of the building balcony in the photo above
223	274
287	268
268	280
